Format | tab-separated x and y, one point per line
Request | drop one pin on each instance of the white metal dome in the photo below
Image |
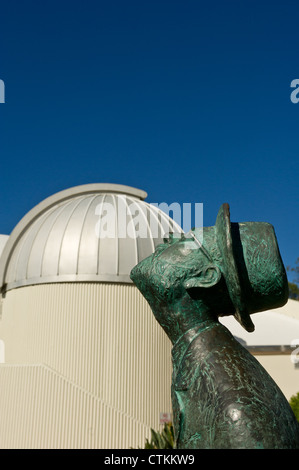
86	233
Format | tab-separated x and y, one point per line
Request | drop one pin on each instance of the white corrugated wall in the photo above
42	410
98	349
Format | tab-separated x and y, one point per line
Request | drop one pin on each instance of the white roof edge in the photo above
50	201
70	278
290	309
272	327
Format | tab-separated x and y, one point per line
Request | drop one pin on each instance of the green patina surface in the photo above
221	396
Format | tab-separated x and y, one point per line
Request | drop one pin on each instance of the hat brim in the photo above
230	267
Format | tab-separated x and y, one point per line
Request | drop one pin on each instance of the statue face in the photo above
175	280
179	251
161	276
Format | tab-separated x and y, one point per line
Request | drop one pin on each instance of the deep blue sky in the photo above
188	100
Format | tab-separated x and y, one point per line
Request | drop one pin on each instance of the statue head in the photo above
228	269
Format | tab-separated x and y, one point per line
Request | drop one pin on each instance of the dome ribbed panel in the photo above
51	250
107	245
90	237
70	239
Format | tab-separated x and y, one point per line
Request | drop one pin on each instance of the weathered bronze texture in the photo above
221	396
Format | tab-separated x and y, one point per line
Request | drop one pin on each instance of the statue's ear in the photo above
208	277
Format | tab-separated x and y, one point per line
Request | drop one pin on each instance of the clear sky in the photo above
187	100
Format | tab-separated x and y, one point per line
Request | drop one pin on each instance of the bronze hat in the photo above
251	265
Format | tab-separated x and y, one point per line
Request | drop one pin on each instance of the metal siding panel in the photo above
101	337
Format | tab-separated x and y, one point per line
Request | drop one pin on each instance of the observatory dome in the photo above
89	233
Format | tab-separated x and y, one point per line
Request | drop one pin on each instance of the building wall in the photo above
41	409
283	372
94	340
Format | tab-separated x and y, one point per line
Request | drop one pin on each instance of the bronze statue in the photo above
221	396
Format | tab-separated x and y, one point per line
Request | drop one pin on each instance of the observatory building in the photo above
84	364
